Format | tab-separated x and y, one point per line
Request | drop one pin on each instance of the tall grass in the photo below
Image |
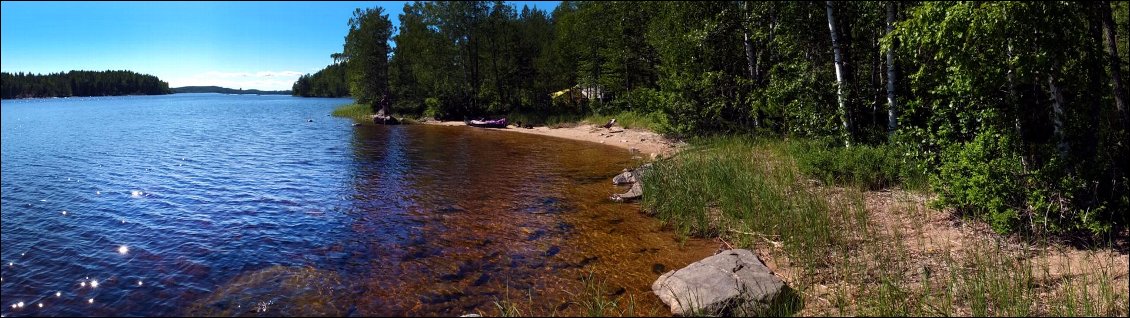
360	112
592	298
538	119
863	166
722	186
628	120
752	192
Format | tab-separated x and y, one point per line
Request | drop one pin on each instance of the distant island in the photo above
225	90
80	83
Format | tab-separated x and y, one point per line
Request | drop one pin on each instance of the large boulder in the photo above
730	283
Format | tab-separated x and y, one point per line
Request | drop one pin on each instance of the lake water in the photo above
208	204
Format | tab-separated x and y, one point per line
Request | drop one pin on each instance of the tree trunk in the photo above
767	51
1095	82
1115	72
1015	101
874	88
1057	112
892	109
750	61
845	119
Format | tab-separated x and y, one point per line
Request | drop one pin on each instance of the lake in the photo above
243	205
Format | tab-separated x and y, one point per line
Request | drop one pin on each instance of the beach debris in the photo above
609	124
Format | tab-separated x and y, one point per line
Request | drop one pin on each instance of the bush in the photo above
986	179
982	178
432	108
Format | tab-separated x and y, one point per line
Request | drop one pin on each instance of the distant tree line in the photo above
225	90
328	82
80	83
1017	110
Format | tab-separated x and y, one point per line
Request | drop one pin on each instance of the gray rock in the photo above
634	193
730	283
623	178
631	176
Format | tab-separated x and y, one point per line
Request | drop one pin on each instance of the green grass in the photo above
542	120
363	114
356	111
863	166
627	120
723	186
753	193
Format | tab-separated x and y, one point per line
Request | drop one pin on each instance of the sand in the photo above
649	144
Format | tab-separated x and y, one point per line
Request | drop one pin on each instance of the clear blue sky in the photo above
260	45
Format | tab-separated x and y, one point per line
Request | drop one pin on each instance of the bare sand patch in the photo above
650	145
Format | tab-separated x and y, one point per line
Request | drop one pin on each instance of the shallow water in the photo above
239	205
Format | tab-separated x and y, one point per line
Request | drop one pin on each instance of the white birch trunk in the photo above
845	119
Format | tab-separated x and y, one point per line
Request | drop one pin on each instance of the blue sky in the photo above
260	45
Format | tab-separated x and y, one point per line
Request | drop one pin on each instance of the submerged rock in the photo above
730	283
635	178
623	178
634	193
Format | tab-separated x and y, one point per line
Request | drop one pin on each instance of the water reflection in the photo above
320	218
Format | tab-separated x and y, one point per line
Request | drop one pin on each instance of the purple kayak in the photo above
496	123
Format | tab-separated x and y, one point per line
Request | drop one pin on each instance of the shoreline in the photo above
649	144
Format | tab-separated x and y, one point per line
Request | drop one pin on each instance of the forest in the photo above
1015	110
80	83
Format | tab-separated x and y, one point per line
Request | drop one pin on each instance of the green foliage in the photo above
80	83
867	167
328	82
982	178
1036	73
432	108
1002	110
366	51
630	120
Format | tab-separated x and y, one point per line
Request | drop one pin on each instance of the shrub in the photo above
982	178
432	108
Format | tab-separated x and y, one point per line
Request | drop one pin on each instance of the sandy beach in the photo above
649	144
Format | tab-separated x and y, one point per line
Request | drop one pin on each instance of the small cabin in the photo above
579	93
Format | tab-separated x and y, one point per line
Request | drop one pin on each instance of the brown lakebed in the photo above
453	220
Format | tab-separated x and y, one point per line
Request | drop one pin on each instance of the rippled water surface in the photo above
207	204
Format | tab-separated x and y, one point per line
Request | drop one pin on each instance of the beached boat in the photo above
495	123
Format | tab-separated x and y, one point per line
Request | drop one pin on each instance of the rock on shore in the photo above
730	283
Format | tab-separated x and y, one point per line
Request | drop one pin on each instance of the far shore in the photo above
650	145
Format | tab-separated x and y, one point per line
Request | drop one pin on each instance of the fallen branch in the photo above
762	236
